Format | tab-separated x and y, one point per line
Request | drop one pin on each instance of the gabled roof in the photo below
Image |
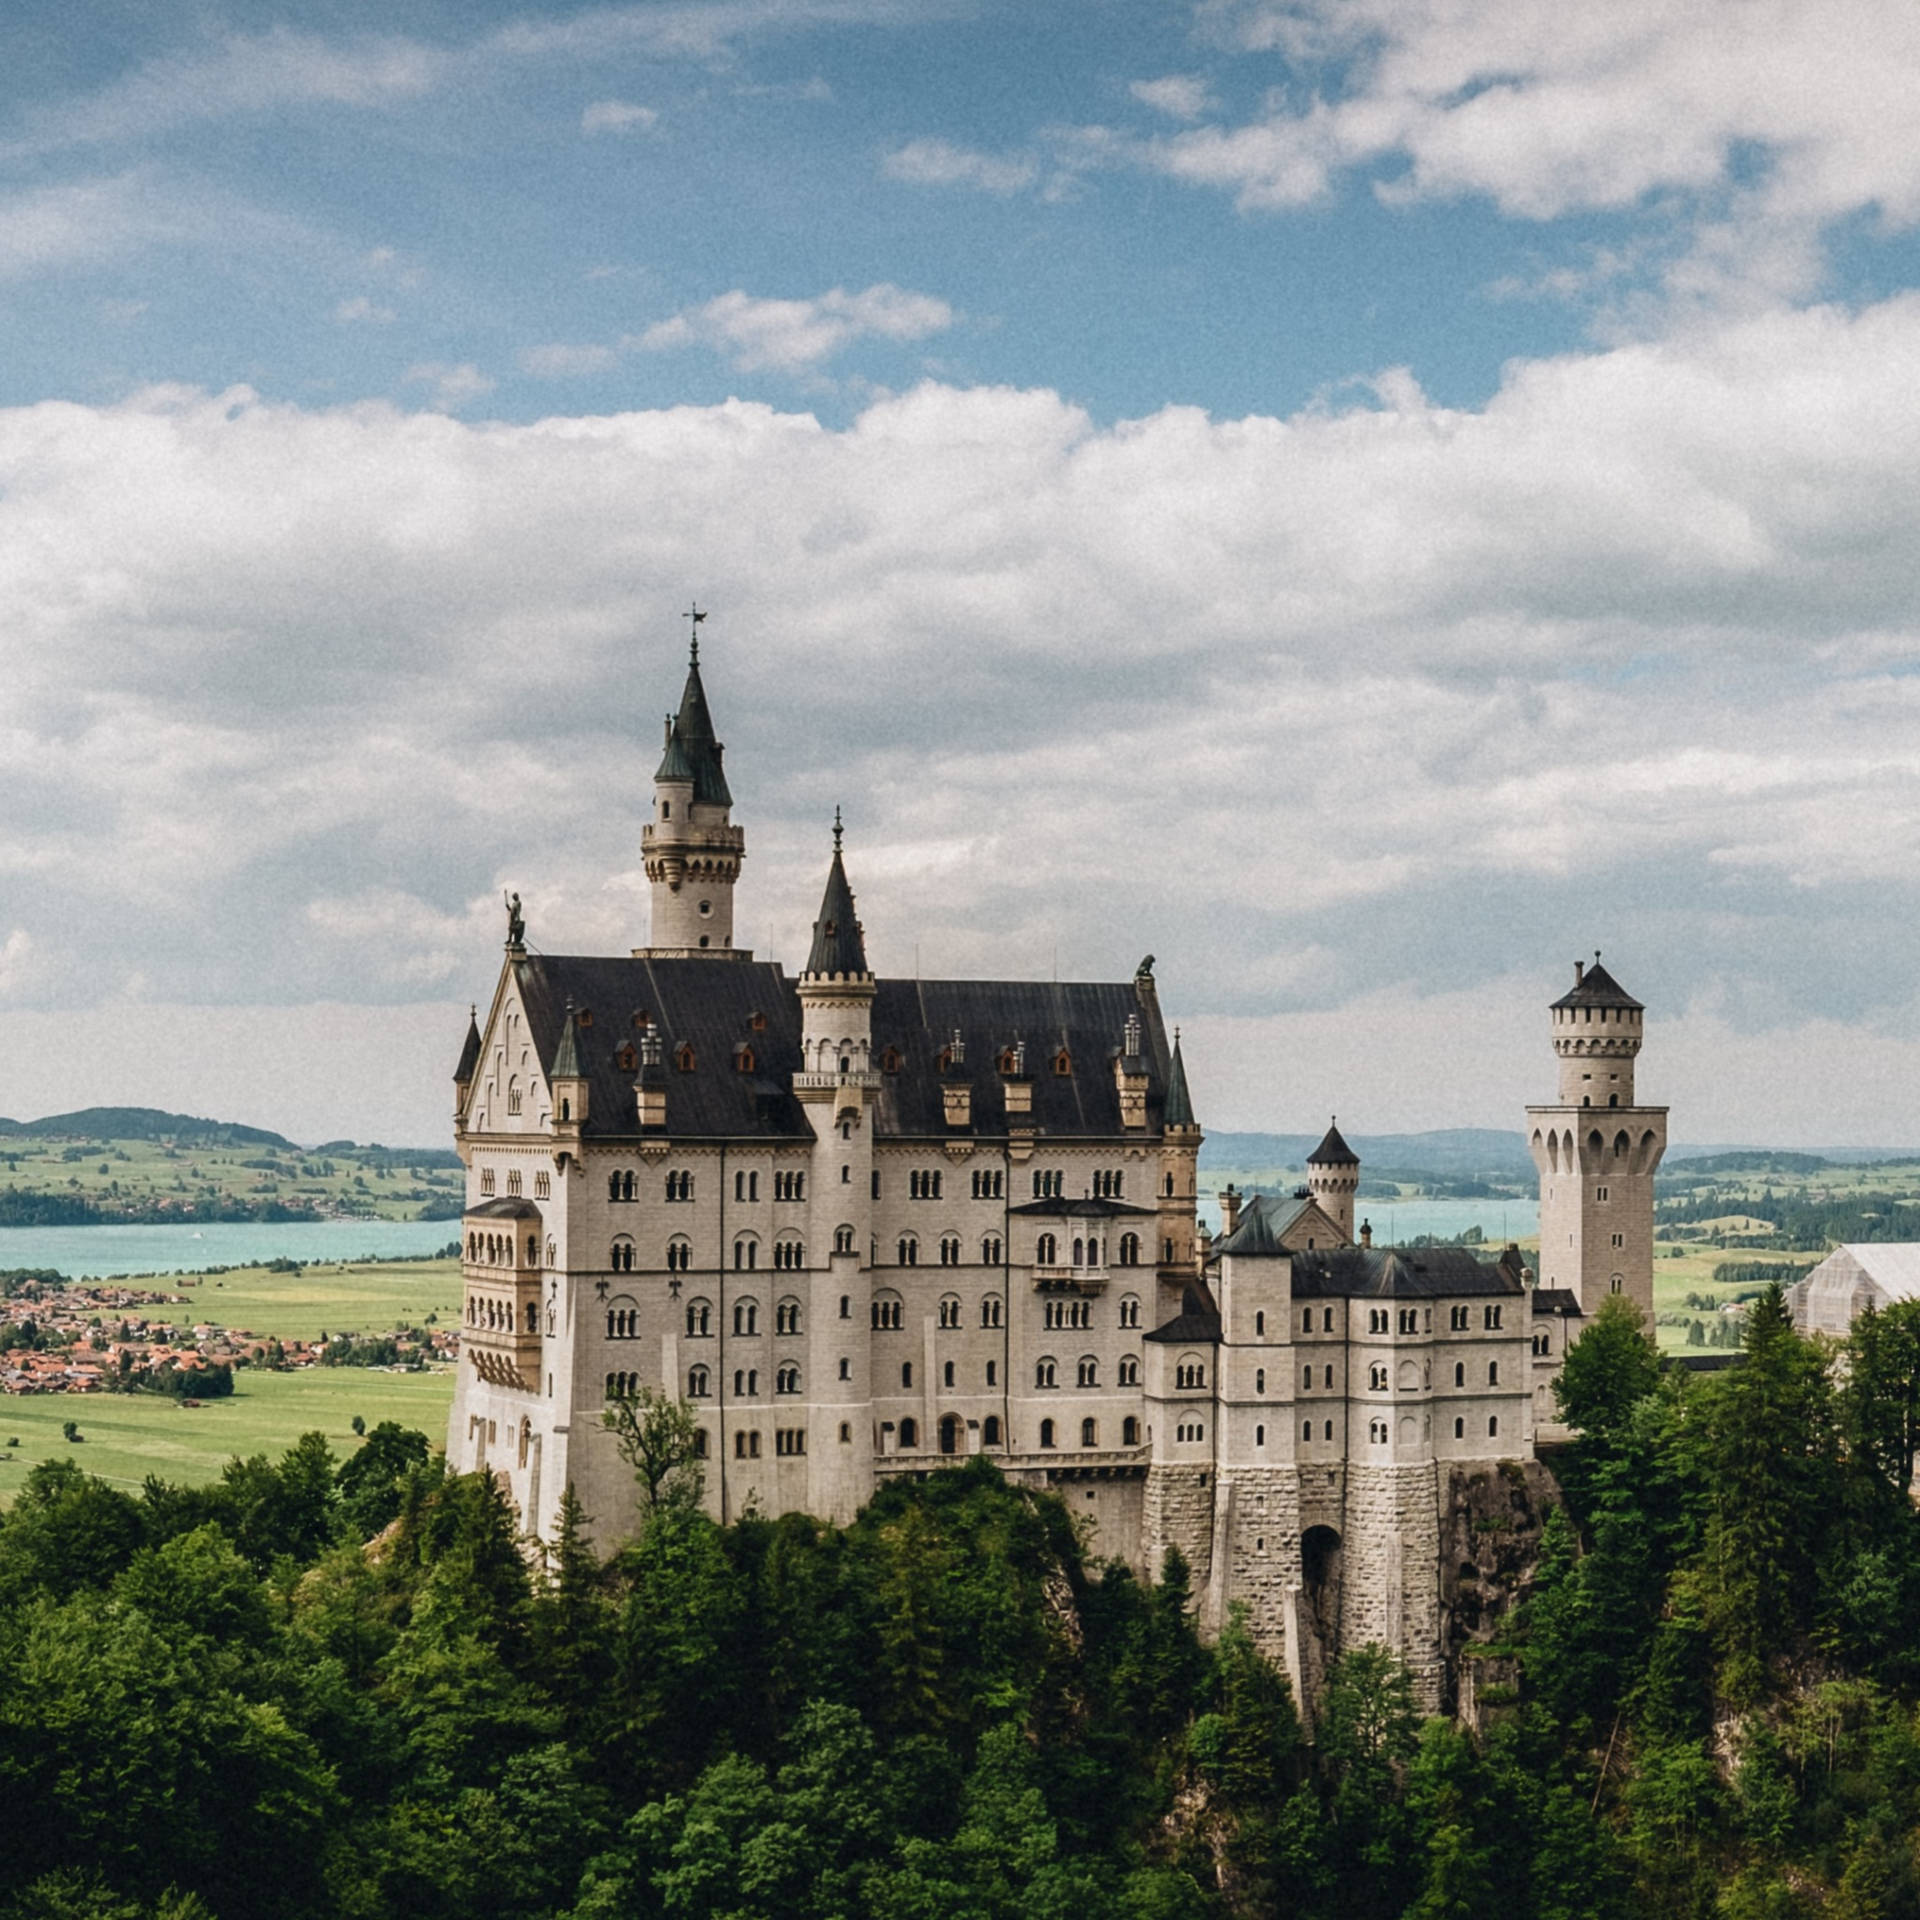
1197	1322
1333	1151
1179	1100
503	1209
839	945
1272	1223
692	751
1085	1208
1557	1300
470	1053
1594	986
1400	1273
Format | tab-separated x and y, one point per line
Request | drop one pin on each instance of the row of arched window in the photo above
1087	1250
498	1316
497	1249
1046	1372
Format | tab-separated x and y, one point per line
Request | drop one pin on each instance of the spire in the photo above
1333	1151
692	751
838	943
470	1052
566	1056
1179	1101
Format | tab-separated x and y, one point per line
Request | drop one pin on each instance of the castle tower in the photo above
691	847
1596	1149
838	1087
1333	1178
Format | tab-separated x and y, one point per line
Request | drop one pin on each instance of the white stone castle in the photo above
867	1228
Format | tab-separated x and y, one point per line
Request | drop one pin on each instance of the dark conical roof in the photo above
1179	1111
566	1056
470	1052
1594	986
692	751
1333	1151
838	943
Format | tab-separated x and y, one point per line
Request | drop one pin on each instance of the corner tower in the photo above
1333	1178
1596	1149
691	847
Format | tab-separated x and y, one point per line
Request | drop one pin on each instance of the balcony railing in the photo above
1070	1279
829	1082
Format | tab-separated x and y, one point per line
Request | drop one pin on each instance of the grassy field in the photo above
359	1297
117	1173
128	1436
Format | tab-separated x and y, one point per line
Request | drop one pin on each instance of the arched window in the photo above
787	1380
1459	1429
679	1186
950	1250
699	1319
699	1383
950	1310
1089	1433
1493	1373
623	1320
1046	1251
1087	1373
990	1430
1046	1433
786	1316
1130	1371
990	1311
746	1317
990	1250
1044	1374
909	1251
746	1254
890	1060
683	1057
1063	1063
1130	1431
1190	1372
789	1255
513	1096
843	1239
1459	1373
743	1058
1493	1426
621	1259
886	1313
909	1432
1129	1310
1129	1249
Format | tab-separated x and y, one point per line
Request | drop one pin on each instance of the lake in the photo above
102	1253
1397	1221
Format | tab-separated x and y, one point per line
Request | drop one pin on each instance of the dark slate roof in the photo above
692	751
1197	1322
1085	1208
1333	1151
1596	987
1396	1273
1560	1300
513	1209
1179	1100
470	1052
709	1003
1262	1221
839	947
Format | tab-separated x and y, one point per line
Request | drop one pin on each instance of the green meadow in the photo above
371	1296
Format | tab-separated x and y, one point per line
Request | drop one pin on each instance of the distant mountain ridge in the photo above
186	1129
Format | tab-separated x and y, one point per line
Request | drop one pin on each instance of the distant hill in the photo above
144	1123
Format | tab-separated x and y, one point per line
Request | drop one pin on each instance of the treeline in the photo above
33	1207
325	1688
1800	1221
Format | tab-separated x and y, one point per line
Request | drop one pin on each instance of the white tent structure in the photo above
1851	1278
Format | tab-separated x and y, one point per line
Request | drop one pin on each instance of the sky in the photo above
1366	500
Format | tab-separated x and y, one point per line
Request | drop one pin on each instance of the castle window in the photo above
1048	1185
513	1096
1259	1436
846	1369
1377	1379
542	1186
679	1186
909	1432
746	1186
746	1255
699	1383
699	1443
790	1440
789	1186
786	1317
513	1181
886	1313
1063	1063
486	1179
990	1250
1599	1193
1306	1378
746	1446
843	1239
746	1317
990	1310
683	1062
1619	1239
1046	1251
699	1319
1129	1249
1409	1319
946	1374
1130	1431
1490	1317
746	1383
1329	1429
623	1322
908	1250
1088	1372
1259	1379
993	1373
1493	1426
620	1258
1129	1310
1459	1429
950	1310
923	1184
1493	1373
950	1250
1306	1430
1190	1373
1107	1182
846	1433
1459	1373
787	1380
1306	1321
1089	1433
1130	1371
679	1254
890	1060
873	1180
622	1386
1044	1373
1461	1319
625	1058
989	1183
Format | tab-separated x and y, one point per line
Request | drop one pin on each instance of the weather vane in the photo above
694	616
836	829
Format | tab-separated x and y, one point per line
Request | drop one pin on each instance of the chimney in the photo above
1229	1209
958	1100
1579	971
1366	1233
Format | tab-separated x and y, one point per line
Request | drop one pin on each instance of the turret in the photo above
691	847
1333	1178
1598	1028
569	1081
837	987
464	1072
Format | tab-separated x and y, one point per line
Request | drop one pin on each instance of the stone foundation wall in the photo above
1178	1512
1491	1519
1390	1586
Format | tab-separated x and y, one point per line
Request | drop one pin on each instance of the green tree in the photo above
1608	1370
657	1436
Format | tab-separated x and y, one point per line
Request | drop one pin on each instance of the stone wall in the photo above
1491	1519
1178	1512
1390	1579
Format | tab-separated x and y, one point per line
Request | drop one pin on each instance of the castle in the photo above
867	1227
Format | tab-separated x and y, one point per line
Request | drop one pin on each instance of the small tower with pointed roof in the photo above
691	847
1333	1178
1596	1150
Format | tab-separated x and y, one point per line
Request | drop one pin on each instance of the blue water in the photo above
1393	1223
109	1252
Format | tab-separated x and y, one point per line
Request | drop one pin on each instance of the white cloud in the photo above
360	308
453	386
1361	719
616	116
798	335
1180	96
938	163
558	360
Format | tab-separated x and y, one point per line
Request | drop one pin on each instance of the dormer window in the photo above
743	1058
642	1019
890	1060
627	1058
585	1016
683	1058
1063	1062
757	1022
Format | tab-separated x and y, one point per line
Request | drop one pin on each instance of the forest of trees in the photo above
339	1688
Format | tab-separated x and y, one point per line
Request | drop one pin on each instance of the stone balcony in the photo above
1087	1280
833	1082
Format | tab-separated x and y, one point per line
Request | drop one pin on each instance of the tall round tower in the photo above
1333	1178
691	847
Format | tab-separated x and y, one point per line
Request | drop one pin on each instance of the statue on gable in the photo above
516	922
